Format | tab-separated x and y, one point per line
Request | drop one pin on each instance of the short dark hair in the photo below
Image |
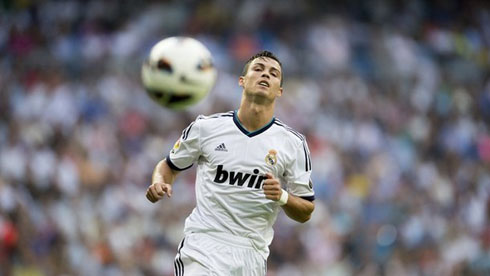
263	54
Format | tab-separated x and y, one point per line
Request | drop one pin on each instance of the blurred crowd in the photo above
393	97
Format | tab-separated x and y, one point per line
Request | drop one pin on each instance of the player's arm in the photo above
295	207
162	179
184	153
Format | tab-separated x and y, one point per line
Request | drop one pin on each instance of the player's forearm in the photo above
163	173
298	209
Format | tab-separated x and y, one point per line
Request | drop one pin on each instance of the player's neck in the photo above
253	116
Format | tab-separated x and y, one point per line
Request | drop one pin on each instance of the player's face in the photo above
263	78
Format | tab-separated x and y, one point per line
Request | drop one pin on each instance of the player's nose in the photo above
265	75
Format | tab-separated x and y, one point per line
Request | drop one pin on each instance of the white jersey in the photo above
232	163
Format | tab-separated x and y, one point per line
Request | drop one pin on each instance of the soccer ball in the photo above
178	72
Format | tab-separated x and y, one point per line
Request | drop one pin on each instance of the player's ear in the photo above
240	81
279	92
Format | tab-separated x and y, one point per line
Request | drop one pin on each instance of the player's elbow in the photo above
304	218
307	216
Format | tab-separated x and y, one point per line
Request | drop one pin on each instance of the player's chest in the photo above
266	153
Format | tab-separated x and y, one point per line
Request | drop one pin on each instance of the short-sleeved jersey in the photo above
232	163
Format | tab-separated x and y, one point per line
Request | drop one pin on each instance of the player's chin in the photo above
263	91
262	97
261	87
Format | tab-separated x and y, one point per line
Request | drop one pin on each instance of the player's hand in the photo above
272	187
157	191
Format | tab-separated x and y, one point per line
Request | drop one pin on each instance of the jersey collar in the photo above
253	133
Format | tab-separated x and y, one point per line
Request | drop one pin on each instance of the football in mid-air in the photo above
178	72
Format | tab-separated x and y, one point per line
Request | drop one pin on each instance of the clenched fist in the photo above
157	191
272	187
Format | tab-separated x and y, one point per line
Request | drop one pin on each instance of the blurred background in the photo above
393	97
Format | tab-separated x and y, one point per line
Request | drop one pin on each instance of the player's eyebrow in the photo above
261	65
275	70
272	67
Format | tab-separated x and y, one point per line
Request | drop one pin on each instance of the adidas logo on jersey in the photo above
221	147
239	178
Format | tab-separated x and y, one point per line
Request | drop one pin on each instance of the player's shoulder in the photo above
289	131
215	116
214	120
206	123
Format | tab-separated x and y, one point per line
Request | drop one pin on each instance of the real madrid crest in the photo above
271	157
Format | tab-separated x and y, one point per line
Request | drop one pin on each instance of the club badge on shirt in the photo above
271	157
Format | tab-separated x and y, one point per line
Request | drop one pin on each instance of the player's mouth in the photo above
264	83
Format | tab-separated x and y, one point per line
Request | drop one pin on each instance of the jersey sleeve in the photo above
187	149
299	173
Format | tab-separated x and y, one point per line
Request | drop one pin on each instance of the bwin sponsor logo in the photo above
239	178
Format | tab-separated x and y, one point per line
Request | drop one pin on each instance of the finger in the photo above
271	182
272	196
159	189
168	190
271	185
271	193
271	188
150	197
155	193
269	175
